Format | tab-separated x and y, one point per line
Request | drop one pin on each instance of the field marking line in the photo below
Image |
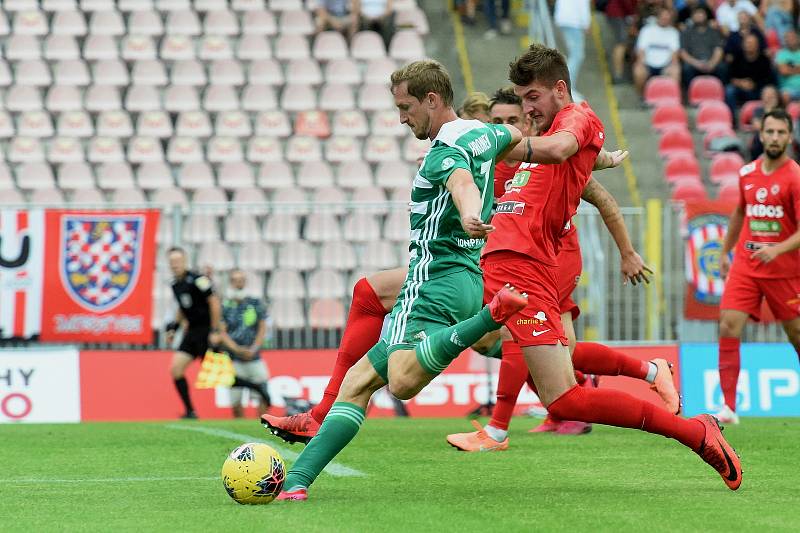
334	469
109	479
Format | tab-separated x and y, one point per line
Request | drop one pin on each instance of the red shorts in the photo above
744	293
570	266
540	322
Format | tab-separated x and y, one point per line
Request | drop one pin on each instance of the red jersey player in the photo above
766	263
524	249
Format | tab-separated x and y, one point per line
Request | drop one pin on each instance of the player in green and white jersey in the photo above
439	310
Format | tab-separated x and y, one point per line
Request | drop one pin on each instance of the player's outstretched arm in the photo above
731	236
516	137
552	149
631	264
607	159
468	201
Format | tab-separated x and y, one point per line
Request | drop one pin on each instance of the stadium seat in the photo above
224	150
329	200
149	72
232	124
21	98
71	72
406	46
298	98
322	227
49	197
414	148
154	124
275	175
177	48
144	150
729	190
220	98
103	23
155	176
140	98
114	124
87	198
265	72
746	114
396	227
221	22
661	90
183	22
11	197
372	97
287	314
65	150
188	72
314	174
367	45
300	149
66	98
387	123
675	142
33	72
25	150
680	168
393	175
259	22
247	5
336	97
292	199
5	74
195	175
145	22
264	150
111	72
137	47
282	227
312	123
128	196
326	313
413	18
170	198
342	71
351	123
216	254
7	129
6	179
178	98
668	116
273	123
381	149
166	232
118	176
253	47
193	124
242	227
303	72
354	174
21	47
200	228
340	148
725	166
713	115
226	72
35	124
75	175
35	175
372	200
378	255
688	190
285	284
329	46
289	47
379	70
721	138
30	22
259	97
338	255
75	124
705	89
362	227
235	175
297	255
61	48
326	283
249	200
258	256
210	201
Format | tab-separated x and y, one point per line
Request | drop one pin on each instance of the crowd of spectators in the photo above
351	16
751	46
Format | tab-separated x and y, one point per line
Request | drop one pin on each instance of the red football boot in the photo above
506	302
296	428
716	451
297	495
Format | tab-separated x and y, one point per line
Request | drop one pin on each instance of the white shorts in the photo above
255	371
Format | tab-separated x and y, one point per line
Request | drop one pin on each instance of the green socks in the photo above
438	350
337	430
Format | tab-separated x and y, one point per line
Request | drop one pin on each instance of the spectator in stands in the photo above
770	99
475	106
337	15
779	16
749	73
244	327
504	25
376	15
728	14
685	13
733	46
657	51
701	49
649	9
621	18
573	18
466	8
788	63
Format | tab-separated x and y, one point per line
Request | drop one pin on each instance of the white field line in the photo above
108	479
334	469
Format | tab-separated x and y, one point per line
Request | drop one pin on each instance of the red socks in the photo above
593	358
616	408
513	373
362	332
729	365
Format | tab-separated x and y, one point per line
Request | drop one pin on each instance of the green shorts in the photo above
423	308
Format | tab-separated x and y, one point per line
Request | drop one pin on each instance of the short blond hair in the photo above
476	103
423	77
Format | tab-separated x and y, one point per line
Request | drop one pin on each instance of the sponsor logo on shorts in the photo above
538	319
514	208
421	336
752	246
537	333
455	339
470	243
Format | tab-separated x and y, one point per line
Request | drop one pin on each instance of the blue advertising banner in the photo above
769	383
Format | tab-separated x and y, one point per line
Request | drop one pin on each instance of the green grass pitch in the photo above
164	477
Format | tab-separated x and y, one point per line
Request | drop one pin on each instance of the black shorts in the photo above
195	342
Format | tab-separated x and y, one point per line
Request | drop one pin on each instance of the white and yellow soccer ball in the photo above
253	473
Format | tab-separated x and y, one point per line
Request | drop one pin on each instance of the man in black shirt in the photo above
749	73
701	49
198	315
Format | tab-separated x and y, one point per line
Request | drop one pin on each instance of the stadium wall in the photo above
63	384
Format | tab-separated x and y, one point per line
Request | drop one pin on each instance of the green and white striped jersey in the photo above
438	244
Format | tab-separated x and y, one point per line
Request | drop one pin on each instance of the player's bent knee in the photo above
403	388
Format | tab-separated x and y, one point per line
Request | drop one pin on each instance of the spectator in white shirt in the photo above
573	18
728	14
657	51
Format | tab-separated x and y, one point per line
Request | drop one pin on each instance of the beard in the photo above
774	152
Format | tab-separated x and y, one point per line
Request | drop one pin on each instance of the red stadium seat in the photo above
676	142
746	114
662	90
681	168
713	115
312	123
667	116
725	166
729	190
687	190
723	132
705	89
326	313
794	110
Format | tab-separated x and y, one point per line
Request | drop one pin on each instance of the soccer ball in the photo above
253	473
